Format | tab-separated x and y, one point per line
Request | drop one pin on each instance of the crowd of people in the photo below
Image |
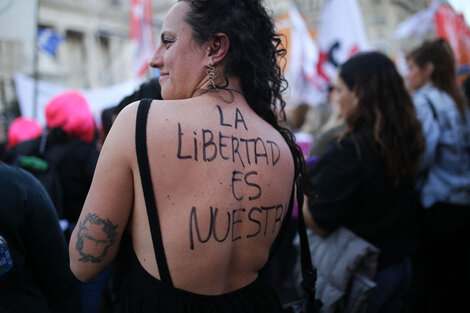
179	202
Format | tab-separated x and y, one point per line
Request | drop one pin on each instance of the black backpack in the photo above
43	166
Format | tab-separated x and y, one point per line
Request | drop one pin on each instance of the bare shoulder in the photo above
124	126
207	129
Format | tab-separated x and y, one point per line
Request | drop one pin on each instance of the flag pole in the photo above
36	64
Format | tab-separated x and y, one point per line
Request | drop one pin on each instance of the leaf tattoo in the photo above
105	235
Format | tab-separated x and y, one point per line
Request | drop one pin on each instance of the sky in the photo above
462	6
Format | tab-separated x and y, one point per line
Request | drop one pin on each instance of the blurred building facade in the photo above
97	51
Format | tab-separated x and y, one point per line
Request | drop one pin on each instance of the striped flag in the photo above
142	35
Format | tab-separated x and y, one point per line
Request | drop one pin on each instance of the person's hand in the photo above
310	222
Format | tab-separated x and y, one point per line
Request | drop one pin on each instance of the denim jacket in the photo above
445	163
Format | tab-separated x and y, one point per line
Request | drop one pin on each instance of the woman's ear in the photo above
428	70
355	98
218	47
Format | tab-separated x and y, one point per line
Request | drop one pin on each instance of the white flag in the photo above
99	99
341	34
418	24
303	58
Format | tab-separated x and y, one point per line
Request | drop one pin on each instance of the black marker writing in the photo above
260	150
238	118
278	216
193	221
252	184
235	221
214	217
234	180
221	116
252	219
274	158
235	183
195	146
235	218
247	147
235	150
267	209
223	145
206	144
229	148
180	135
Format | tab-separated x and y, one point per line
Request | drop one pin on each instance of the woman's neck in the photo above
230	85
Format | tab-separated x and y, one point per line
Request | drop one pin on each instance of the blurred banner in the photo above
99	99
304	85
452	26
418	24
446	23
18	20
341	34
142	35
311	65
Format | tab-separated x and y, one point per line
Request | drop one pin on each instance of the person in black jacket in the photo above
364	180
40	280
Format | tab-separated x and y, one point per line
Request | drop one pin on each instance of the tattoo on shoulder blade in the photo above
94	237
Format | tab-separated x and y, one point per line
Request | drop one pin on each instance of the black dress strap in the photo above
147	187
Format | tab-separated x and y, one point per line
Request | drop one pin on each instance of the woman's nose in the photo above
156	59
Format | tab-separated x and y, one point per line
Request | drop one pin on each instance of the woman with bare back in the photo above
190	192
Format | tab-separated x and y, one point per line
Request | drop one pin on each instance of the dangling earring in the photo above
211	73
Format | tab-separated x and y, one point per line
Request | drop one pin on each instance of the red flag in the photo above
452	26
142	34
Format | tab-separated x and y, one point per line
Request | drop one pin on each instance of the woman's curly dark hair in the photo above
253	56
384	113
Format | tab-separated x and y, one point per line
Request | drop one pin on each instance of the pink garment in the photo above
22	129
70	111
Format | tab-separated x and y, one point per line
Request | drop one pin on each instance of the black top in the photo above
40	280
138	291
353	191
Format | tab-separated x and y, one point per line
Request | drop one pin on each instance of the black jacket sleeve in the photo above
48	252
335	179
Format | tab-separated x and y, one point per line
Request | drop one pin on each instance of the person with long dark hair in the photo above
191	192
443	260
364	180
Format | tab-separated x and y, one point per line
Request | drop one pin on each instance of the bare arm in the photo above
95	240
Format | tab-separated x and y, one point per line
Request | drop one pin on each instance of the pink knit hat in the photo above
22	129
70	111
